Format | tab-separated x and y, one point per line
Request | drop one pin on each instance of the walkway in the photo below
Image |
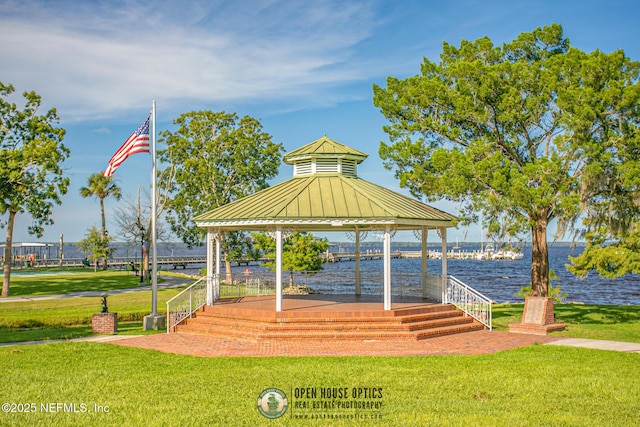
627	347
479	342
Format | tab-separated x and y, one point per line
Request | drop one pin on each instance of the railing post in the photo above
184	309
169	318
490	317
210	291
466	298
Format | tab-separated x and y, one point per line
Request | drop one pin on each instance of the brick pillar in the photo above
104	323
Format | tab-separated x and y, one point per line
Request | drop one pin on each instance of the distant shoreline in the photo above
344	243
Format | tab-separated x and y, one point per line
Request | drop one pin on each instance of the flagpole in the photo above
154	265
154	321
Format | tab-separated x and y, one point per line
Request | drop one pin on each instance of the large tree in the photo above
32	179
612	183
508	131
215	159
101	187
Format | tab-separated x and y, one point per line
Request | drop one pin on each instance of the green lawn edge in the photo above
535	385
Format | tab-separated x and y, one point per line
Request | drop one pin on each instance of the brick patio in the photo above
478	342
468	343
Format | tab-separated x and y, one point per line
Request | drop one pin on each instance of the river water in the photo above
497	279
500	280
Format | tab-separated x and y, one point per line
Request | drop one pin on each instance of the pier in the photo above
199	260
121	263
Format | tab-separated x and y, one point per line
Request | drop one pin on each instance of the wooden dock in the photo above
194	261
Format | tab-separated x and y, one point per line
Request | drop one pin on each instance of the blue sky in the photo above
303	68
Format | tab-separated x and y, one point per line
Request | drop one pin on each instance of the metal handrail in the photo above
470	301
186	303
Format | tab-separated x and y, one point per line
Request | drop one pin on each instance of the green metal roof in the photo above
312	201
325	202
324	148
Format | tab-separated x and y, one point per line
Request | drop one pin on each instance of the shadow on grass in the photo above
9	335
501	311
65	282
571	314
578	314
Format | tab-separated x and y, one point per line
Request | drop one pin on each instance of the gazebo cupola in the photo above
325	156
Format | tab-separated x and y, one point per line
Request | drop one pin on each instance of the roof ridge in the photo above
295	194
385	205
362	193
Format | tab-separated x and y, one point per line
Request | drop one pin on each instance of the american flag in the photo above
138	142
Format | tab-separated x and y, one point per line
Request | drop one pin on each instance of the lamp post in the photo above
141	252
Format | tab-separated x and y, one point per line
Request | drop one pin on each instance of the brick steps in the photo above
440	312
220	311
239	325
407	324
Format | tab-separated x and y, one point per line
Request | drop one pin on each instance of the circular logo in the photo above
272	403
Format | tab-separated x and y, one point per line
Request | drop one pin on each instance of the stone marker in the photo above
538	317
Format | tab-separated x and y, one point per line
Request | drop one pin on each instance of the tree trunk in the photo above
227	262
104	229
8	255
539	257
227	270
104	221
144	268
290	279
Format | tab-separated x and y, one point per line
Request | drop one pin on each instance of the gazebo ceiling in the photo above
325	201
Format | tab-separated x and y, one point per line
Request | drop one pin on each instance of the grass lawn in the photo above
605	322
69	384
39	282
9	335
536	385
71	317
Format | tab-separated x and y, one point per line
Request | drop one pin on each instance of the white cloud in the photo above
96	61
103	130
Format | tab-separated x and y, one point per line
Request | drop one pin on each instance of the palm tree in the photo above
101	187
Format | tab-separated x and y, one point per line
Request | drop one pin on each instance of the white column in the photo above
443	232
210	254
358	262
425	255
387	267
216	288
279	268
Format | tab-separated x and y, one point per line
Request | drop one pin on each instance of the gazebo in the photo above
324	195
